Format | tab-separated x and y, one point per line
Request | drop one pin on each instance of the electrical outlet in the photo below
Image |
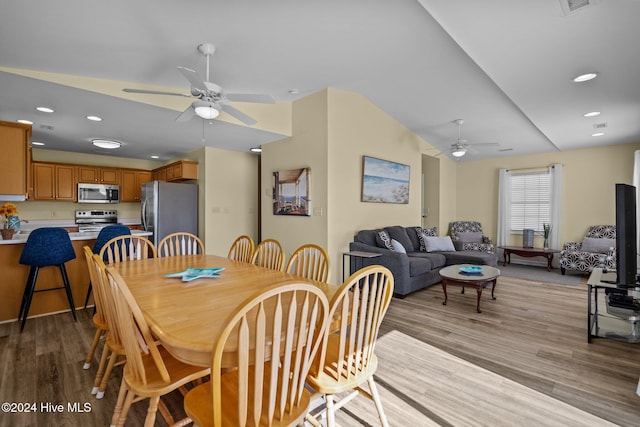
53	214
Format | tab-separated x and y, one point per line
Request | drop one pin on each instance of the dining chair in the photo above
127	248
45	247
150	371
106	234
275	334
269	254
98	319
113	351
242	249
309	261
346	359
180	243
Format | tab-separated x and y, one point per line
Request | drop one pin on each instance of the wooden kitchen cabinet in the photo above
52	181
182	170
100	175
131	181
14	163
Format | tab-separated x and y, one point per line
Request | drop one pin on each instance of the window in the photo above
530	201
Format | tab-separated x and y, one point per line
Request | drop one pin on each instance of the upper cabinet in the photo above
53	181
131	181
182	170
98	174
14	163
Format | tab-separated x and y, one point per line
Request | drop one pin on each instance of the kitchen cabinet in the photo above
182	170
15	159
131	181
52	181
100	175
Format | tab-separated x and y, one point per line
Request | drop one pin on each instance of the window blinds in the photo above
530	200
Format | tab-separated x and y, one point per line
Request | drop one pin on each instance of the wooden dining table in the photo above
186	317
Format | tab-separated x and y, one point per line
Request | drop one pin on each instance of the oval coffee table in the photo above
453	275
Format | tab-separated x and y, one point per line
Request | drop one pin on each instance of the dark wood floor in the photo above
534	334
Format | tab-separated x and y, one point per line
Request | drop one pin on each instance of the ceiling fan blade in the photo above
186	115
247	120
485	144
196	81
250	97
154	92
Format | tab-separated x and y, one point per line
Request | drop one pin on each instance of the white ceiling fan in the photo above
211	98
460	147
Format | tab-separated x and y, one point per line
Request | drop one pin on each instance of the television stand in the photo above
620	323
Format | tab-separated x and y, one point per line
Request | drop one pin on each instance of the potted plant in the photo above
546	232
7	210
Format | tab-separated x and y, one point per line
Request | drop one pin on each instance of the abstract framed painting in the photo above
291	192
384	181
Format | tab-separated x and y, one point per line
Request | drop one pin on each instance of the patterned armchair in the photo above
598	249
467	236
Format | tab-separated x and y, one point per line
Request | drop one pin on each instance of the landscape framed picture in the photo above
291	192
384	181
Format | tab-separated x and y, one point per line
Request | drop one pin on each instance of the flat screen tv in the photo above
626	244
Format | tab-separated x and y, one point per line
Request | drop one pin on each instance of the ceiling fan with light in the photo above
211	98
460	147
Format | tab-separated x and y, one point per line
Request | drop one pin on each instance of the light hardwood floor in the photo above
533	334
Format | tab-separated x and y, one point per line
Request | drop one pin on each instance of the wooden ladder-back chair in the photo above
269	254
127	248
242	249
99	320
311	262
150	371
346	359
181	243
268	386
113	348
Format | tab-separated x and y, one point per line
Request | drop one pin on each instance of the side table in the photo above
358	255
528	252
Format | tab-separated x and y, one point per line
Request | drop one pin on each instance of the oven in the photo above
95	220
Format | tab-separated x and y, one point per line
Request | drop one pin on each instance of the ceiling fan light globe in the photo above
459	152
206	110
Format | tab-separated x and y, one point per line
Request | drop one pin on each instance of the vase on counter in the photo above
7	233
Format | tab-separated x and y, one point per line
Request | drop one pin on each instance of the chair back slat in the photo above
181	243
127	248
311	262
277	334
242	249
100	303
97	272
269	254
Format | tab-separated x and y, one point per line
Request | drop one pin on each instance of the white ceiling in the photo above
504	66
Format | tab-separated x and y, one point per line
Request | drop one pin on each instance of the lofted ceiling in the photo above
504	66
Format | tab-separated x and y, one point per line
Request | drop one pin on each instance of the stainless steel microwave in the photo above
98	193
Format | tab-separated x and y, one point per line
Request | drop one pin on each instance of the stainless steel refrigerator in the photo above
169	207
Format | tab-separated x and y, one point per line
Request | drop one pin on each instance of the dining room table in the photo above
187	316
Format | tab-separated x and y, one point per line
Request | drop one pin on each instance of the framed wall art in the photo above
291	192
384	181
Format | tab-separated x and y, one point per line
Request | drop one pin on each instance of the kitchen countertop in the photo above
22	237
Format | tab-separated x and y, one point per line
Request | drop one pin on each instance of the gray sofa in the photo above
415	269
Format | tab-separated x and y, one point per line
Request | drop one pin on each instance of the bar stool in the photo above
45	247
106	234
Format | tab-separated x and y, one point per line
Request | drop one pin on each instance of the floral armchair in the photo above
598	249
467	236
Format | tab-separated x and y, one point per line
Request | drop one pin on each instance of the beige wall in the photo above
588	191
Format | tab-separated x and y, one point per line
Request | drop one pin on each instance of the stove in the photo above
95	220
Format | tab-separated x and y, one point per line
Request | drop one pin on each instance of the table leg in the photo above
549	259
506	252
444	289
479	290
493	288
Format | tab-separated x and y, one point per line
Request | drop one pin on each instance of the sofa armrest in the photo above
571	247
397	262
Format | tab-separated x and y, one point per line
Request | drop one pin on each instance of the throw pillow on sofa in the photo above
466	237
397	246
423	233
383	240
439	244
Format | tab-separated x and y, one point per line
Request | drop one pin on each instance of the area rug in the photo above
540	274
423	385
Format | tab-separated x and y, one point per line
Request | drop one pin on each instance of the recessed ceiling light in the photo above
26	122
155	157
106	143
45	109
37	143
592	114
597	134
94	118
256	150
585	77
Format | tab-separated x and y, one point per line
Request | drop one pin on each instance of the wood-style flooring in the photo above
534	333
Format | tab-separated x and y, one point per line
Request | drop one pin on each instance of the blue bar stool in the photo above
106	234
45	247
